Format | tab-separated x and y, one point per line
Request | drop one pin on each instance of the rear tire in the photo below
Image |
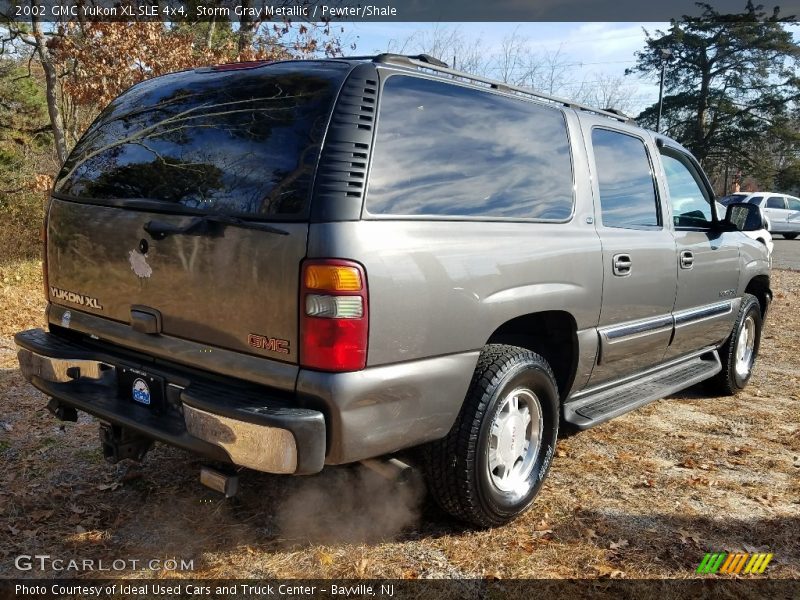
738	354
789	236
493	462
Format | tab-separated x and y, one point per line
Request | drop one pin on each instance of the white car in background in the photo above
782	211
760	235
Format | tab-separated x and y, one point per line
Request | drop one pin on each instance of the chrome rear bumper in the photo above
243	427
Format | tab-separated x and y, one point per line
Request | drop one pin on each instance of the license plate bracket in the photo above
140	387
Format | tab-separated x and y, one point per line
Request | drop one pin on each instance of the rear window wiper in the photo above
201	225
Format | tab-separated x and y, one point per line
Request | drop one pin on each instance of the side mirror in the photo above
745	217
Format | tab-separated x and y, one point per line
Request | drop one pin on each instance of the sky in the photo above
592	49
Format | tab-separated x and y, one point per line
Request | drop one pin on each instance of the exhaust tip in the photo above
391	469
225	484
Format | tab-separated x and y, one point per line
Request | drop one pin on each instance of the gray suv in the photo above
305	263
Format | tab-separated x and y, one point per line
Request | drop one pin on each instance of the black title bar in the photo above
362	11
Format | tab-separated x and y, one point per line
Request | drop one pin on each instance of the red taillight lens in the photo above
334	321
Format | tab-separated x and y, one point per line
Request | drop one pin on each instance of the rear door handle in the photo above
622	265
687	259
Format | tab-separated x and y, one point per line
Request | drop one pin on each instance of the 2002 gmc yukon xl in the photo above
288	265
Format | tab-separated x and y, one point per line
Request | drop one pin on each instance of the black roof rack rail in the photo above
424	61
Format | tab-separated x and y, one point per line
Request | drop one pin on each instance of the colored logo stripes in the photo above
734	563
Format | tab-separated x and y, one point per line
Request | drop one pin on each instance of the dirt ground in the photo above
643	496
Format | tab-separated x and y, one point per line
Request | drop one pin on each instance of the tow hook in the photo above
120	443
61	411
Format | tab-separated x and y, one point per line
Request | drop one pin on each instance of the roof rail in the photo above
426	62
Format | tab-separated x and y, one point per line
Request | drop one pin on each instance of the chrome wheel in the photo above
515	437
744	347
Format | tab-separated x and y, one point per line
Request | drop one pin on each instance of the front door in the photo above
707	260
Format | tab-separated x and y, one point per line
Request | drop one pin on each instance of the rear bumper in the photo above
243	426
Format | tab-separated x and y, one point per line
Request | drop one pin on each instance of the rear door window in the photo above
793	203
447	150
625	180
776	202
242	142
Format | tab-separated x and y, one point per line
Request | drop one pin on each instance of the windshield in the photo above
243	142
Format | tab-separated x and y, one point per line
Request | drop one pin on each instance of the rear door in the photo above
127	235
638	254
793	218
707	258
776	212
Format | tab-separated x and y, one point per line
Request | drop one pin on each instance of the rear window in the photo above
725	200
448	150
242	142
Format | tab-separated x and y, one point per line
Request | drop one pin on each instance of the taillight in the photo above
334	321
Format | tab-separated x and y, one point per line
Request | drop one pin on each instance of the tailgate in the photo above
235	289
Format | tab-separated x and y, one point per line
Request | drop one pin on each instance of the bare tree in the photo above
606	91
517	63
448	44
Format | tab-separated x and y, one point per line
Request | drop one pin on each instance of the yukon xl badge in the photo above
75	298
141	391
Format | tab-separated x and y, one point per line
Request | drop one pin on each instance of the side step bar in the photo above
593	408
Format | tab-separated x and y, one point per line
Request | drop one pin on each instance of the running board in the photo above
597	407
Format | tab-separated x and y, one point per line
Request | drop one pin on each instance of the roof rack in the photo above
426	62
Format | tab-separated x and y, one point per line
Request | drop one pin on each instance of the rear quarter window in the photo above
446	150
238	142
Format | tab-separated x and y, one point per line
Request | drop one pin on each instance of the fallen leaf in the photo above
542	526
362	567
80	529
109	486
13	530
590	533
688	463
40	515
77	509
606	571
325	558
686	537
618	544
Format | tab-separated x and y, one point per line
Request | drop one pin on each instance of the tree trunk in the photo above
51	80
210	33
700	149
246	28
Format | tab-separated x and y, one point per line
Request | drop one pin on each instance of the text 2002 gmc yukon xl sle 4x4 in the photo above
288	265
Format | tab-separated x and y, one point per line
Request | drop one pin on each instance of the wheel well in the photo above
552	334
759	287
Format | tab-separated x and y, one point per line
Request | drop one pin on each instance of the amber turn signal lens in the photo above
333	278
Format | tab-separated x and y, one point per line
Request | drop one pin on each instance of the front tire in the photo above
738	354
491	465
789	236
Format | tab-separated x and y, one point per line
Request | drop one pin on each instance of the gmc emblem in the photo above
269	344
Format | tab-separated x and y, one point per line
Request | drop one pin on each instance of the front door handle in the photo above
687	259
622	265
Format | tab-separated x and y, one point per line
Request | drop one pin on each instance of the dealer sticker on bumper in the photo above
141	391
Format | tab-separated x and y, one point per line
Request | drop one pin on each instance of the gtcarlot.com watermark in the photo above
48	563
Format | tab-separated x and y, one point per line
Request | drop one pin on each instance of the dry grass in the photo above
644	496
